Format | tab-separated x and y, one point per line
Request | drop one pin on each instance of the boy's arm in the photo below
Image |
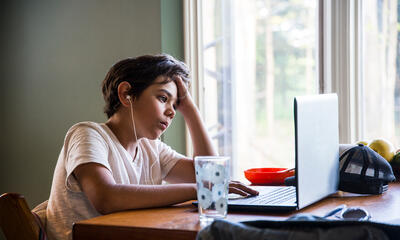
183	171
107	196
202	145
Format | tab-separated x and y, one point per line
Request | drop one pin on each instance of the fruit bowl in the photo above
268	176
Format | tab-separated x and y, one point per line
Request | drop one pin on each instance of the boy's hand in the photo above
241	189
184	97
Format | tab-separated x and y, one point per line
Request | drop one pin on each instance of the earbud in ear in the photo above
128	97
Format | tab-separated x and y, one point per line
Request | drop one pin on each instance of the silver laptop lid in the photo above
317	147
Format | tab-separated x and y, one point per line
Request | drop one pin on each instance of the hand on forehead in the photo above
181	85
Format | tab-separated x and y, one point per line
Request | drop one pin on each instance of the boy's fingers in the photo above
243	188
238	191
182	89
250	190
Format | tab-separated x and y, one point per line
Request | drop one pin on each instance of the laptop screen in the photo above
317	147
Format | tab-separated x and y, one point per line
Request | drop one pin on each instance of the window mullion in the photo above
358	46
344	68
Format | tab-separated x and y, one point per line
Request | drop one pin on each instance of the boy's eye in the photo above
163	99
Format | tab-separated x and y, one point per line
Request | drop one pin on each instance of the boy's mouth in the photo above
164	124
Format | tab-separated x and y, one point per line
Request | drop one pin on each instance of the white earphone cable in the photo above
134	132
133	119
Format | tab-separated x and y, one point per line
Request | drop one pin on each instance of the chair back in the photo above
16	219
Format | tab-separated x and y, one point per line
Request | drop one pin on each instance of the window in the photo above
254	56
380	69
257	55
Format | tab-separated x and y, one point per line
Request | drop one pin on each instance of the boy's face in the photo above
155	108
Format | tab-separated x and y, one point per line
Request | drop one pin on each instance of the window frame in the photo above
193	56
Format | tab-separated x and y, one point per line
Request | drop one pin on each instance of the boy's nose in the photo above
170	112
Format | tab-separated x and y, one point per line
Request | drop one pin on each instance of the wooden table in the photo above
182	221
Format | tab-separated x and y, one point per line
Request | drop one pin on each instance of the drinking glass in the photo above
212	178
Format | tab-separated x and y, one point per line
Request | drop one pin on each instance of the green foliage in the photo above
289	23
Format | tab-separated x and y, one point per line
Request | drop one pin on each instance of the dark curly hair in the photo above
140	72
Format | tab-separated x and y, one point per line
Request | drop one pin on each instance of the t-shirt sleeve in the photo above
168	158
84	145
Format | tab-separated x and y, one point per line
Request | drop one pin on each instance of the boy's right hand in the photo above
241	189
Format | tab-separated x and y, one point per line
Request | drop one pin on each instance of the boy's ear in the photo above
123	93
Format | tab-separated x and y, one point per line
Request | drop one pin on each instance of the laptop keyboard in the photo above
278	196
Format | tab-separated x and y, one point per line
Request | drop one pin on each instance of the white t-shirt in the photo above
95	143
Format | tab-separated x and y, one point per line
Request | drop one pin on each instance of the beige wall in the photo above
54	56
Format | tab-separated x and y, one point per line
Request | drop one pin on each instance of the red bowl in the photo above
268	176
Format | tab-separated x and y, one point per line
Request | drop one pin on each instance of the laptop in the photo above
316	159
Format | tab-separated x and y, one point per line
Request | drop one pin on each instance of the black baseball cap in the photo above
364	171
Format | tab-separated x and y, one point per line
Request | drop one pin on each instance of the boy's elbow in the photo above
104	211
103	203
102	208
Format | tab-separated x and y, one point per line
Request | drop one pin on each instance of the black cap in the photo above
364	171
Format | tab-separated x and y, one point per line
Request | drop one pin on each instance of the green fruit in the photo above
396	160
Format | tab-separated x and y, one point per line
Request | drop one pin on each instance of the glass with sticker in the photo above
212	179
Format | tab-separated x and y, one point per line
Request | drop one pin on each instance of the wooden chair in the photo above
16	219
